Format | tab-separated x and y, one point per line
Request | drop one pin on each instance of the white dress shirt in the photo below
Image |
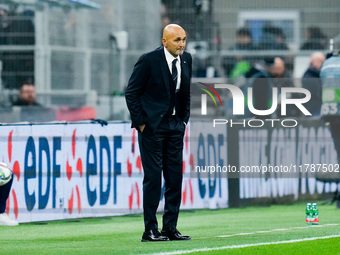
169	58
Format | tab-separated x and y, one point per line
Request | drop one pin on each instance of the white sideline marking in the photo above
246	245
270	231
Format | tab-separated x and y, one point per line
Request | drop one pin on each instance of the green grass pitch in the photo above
251	230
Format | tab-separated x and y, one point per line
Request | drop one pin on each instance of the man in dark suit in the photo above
158	98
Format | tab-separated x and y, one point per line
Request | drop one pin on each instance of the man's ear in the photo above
164	42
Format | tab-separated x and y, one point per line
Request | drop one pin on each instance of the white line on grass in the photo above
270	231
246	245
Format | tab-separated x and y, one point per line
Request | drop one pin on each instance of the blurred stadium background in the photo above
79	54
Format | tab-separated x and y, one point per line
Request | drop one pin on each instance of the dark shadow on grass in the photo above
40	223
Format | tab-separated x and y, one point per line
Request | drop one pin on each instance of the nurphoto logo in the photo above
241	102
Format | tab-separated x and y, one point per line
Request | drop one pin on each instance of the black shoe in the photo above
174	234
153	236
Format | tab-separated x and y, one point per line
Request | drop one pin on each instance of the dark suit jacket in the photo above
148	94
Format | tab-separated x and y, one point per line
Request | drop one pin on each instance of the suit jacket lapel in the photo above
165	70
184	70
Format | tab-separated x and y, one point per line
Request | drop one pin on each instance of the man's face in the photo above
175	40
27	94
243	39
278	69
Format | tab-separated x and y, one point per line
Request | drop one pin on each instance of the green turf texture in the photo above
121	235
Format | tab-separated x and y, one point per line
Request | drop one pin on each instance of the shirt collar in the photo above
169	58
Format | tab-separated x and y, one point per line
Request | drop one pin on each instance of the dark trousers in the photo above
334	127
335	131
162	150
4	193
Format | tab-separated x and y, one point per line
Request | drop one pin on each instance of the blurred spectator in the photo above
330	75
312	82
27	96
316	40
239	65
244	40
260	77
16	29
240	68
235	66
204	68
273	38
